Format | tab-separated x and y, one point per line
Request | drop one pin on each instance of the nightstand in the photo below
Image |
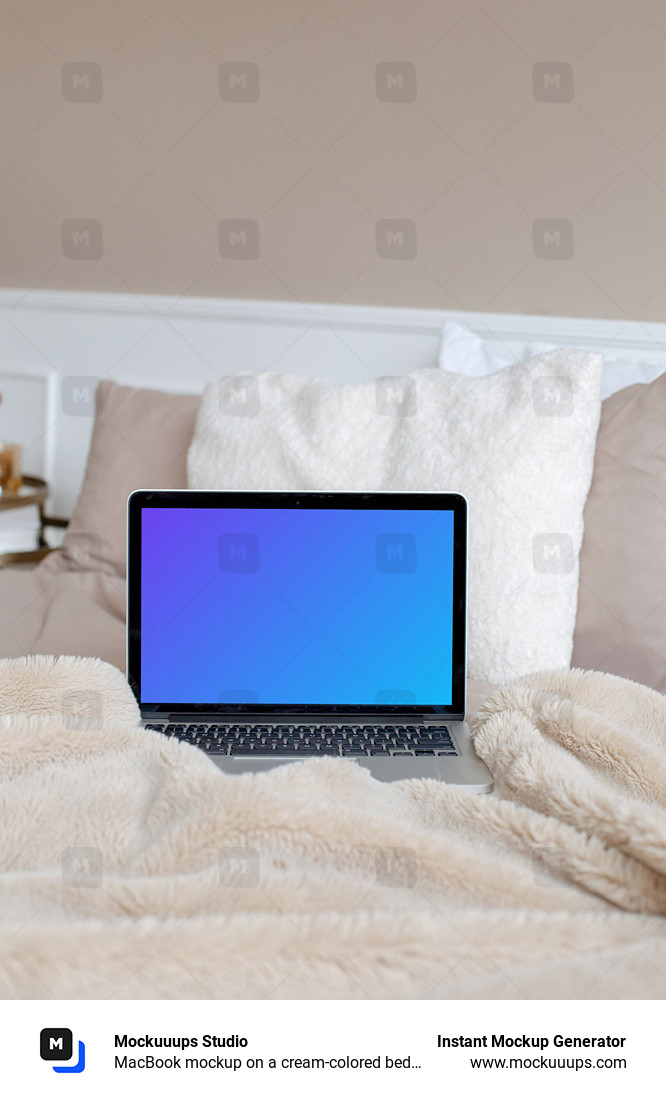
34	490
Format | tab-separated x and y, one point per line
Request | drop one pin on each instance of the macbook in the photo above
271	627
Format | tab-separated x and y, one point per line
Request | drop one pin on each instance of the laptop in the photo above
271	627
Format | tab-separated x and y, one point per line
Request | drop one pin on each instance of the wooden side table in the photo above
34	490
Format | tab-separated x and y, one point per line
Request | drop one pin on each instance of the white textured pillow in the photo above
518	444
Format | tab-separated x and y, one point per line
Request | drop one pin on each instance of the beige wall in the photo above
117	176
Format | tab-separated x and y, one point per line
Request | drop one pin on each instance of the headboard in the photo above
57	345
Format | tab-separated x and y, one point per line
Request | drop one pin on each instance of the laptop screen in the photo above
253	602
290	607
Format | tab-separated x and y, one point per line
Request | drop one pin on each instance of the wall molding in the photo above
182	344
644	336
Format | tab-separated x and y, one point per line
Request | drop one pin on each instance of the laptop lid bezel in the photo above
206	498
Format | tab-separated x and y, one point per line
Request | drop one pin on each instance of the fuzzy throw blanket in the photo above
131	867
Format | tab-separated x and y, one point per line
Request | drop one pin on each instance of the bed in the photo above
134	868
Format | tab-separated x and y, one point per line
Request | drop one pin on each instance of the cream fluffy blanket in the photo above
133	868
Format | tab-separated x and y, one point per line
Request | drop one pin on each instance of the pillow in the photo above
464	352
461	350
139	441
519	444
621	620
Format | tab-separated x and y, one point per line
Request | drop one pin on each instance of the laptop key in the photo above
251	749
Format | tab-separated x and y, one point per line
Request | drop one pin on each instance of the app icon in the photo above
56	1045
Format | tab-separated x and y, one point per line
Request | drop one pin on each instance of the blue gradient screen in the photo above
296	606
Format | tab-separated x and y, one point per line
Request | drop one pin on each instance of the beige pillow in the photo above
621	619
139	441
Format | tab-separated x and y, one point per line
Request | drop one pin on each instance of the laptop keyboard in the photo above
240	739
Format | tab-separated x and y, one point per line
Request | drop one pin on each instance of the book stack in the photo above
19	529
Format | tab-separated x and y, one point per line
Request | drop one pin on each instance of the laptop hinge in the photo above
278	719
